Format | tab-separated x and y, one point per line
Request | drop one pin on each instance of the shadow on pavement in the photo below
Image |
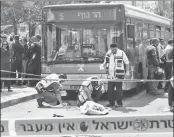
124	110
143	100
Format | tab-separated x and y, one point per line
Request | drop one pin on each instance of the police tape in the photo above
105	80
11	72
115	125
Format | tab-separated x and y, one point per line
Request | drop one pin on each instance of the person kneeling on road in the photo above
90	90
49	90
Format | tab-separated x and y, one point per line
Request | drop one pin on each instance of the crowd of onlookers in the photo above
20	58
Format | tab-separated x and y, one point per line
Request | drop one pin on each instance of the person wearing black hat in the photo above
17	55
117	66
34	65
49	90
153	65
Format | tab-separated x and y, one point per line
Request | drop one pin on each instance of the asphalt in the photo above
22	94
19	94
141	103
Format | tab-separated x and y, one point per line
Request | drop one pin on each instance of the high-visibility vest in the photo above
116	67
44	83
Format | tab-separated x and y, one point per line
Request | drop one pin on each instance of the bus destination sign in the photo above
81	15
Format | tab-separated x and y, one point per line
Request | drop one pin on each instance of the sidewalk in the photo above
20	94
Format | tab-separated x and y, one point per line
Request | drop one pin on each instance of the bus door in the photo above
132	55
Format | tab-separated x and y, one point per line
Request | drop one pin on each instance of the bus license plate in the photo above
73	87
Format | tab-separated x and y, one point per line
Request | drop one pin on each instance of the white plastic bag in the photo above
92	108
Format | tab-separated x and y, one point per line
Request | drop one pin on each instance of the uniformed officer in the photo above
34	66
90	90
117	64
49	90
153	66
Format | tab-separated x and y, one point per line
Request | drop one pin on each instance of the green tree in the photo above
10	13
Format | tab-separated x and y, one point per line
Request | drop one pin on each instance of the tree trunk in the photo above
32	29
15	29
106	45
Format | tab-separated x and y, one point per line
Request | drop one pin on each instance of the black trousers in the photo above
168	72
170	95
16	65
35	69
6	66
113	94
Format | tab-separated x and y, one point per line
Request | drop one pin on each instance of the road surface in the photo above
138	104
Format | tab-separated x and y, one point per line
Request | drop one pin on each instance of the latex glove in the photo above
101	67
127	75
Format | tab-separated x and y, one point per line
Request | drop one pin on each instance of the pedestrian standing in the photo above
161	49
117	64
5	62
168	54
34	66
17	53
153	66
24	61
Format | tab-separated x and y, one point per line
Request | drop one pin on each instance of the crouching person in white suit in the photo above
90	90
49	90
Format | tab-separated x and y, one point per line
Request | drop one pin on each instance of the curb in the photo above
18	100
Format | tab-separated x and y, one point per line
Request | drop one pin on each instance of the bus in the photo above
76	37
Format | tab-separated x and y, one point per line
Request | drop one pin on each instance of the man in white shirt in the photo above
49	90
169	61
117	64
161	49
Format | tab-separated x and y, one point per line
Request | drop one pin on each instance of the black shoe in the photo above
118	106
40	101
110	105
10	90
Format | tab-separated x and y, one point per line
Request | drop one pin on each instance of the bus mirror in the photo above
131	31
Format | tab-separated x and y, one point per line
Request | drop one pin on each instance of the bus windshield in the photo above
79	42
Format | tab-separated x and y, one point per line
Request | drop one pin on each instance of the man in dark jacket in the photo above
153	66
17	54
24	63
5	62
34	66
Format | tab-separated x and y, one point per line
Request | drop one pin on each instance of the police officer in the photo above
153	66
49	90
34	66
90	90
117	64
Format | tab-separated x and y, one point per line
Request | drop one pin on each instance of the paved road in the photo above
138	104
